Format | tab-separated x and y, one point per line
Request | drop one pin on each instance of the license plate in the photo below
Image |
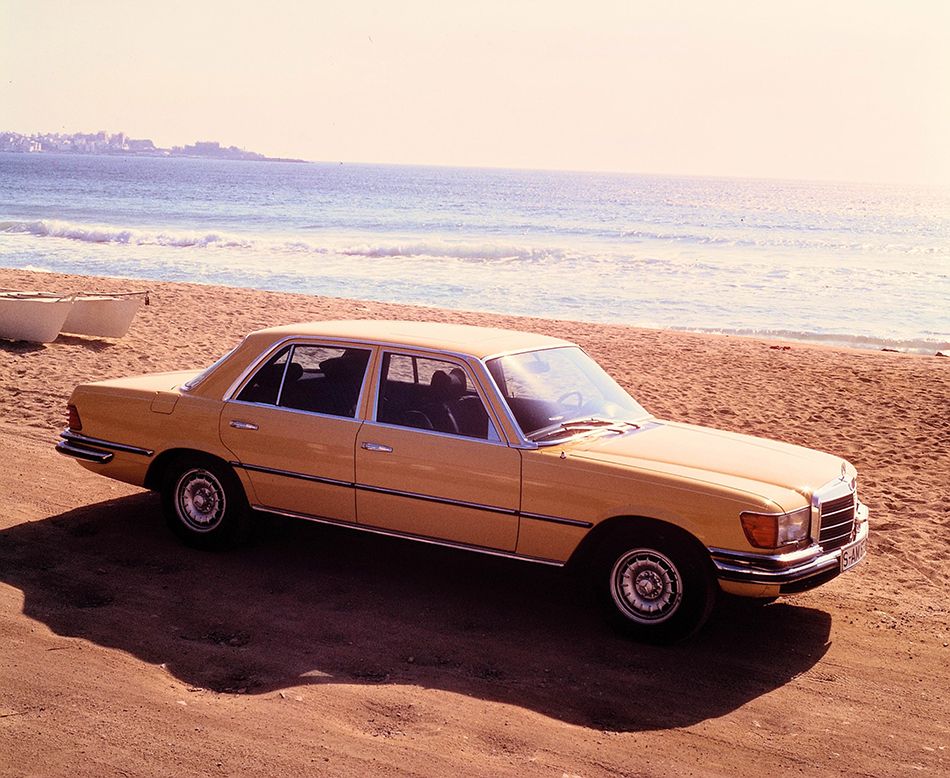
853	553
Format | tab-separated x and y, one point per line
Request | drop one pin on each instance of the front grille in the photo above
837	522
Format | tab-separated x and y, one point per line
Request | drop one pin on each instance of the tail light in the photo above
74	422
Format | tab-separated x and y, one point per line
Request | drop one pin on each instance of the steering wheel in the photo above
574	393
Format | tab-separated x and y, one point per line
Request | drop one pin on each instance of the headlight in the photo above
773	530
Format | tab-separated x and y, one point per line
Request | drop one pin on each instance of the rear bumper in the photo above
796	571
94	450
77	451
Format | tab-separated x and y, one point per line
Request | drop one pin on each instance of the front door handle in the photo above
376	447
243	425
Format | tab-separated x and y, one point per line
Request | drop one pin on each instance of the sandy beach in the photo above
316	651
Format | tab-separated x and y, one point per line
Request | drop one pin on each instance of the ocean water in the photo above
848	264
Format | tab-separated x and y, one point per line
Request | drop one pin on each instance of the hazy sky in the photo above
835	89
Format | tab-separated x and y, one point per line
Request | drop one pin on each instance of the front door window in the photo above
431	394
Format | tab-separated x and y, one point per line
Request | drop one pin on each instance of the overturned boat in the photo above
26	316
40	317
104	316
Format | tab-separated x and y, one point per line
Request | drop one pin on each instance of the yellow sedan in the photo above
500	442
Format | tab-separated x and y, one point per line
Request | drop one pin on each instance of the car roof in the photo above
479	342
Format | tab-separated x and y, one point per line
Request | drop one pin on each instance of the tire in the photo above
655	584
204	503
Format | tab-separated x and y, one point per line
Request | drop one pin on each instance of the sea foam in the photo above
840	264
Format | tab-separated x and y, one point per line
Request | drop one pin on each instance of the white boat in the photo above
105	316
40	316
31	317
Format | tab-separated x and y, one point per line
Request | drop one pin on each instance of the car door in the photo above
431	463
292	428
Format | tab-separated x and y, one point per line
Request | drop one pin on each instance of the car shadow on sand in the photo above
308	604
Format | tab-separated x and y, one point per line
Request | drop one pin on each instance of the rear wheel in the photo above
204	503
654	584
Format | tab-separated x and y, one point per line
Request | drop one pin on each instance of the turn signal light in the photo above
761	529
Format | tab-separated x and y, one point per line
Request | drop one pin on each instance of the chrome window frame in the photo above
189	386
230	396
476	368
496	435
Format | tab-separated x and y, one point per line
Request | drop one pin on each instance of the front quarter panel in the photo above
587	492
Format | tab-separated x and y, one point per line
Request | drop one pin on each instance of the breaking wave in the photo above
843	340
855	266
460	250
103	234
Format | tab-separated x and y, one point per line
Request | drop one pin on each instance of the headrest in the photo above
445	386
340	367
459	374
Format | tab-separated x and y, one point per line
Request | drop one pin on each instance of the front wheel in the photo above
654	585
204	504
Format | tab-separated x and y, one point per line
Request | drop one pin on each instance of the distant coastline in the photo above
120	145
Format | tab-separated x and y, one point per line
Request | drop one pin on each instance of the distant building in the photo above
140	145
118	144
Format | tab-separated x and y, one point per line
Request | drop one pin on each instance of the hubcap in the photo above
201	501
646	585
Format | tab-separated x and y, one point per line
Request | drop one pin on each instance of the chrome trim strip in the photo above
410	536
291	474
376	489
440	500
87	454
556	520
417	496
286	409
380	490
283	375
454	435
82	440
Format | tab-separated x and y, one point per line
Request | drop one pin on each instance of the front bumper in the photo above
796	571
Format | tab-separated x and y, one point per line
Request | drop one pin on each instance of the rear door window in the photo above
308	377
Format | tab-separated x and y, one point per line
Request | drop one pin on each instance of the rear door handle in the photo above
243	425
376	447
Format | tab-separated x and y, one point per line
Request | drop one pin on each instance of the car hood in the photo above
704	454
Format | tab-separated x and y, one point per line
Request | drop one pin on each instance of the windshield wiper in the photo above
582	426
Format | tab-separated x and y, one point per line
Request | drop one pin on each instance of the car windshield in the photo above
561	392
